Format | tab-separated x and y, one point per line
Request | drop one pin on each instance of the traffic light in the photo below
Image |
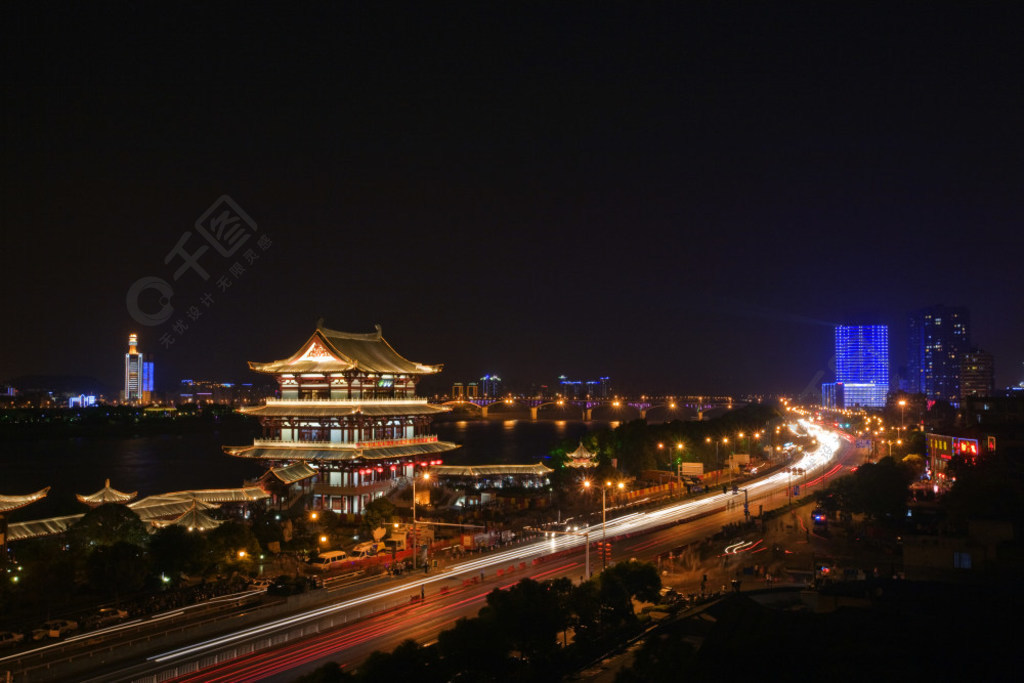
606	551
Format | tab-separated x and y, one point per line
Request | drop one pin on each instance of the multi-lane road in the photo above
356	620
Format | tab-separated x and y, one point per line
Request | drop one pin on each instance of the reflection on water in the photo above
158	464
149	465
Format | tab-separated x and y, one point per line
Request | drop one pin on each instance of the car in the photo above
328	560
260	583
108	616
367	549
10	638
60	627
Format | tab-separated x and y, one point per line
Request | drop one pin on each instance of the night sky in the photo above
685	199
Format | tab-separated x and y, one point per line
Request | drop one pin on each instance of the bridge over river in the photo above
657	408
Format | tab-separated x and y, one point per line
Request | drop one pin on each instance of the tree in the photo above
472	650
662	658
408	661
331	672
117	569
989	488
232	545
174	549
529	618
377	514
49	571
878	490
106	525
623	582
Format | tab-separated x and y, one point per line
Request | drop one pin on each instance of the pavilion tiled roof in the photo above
581	457
326	453
289	474
340	409
536	470
175	504
106	495
192	518
8	503
329	350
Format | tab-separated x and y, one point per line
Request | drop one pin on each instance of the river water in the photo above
159	464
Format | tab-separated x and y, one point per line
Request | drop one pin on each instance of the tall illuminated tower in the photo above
862	364
134	371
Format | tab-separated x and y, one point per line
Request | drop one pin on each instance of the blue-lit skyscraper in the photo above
862	364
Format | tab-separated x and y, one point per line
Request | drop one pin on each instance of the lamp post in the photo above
718	460
679	463
415	537
903	406
604	515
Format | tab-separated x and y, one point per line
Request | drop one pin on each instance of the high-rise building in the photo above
862	365
138	374
490	386
133	371
977	374
938	339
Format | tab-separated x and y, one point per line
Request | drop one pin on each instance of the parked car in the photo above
107	616
60	627
367	549
328	560
260	583
9	638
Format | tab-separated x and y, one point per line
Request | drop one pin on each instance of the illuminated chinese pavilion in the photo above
348	409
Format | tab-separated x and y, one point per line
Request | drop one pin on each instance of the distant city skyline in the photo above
684	199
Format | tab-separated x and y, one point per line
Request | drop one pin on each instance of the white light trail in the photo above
811	462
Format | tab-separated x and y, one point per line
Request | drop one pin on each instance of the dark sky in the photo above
684	199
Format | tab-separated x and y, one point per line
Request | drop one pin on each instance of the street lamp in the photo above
679	465
604	513
718	460
415	537
679	462
903	406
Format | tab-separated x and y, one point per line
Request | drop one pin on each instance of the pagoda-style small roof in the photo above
293	451
193	519
289	474
8	503
537	470
581	457
329	350
106	495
